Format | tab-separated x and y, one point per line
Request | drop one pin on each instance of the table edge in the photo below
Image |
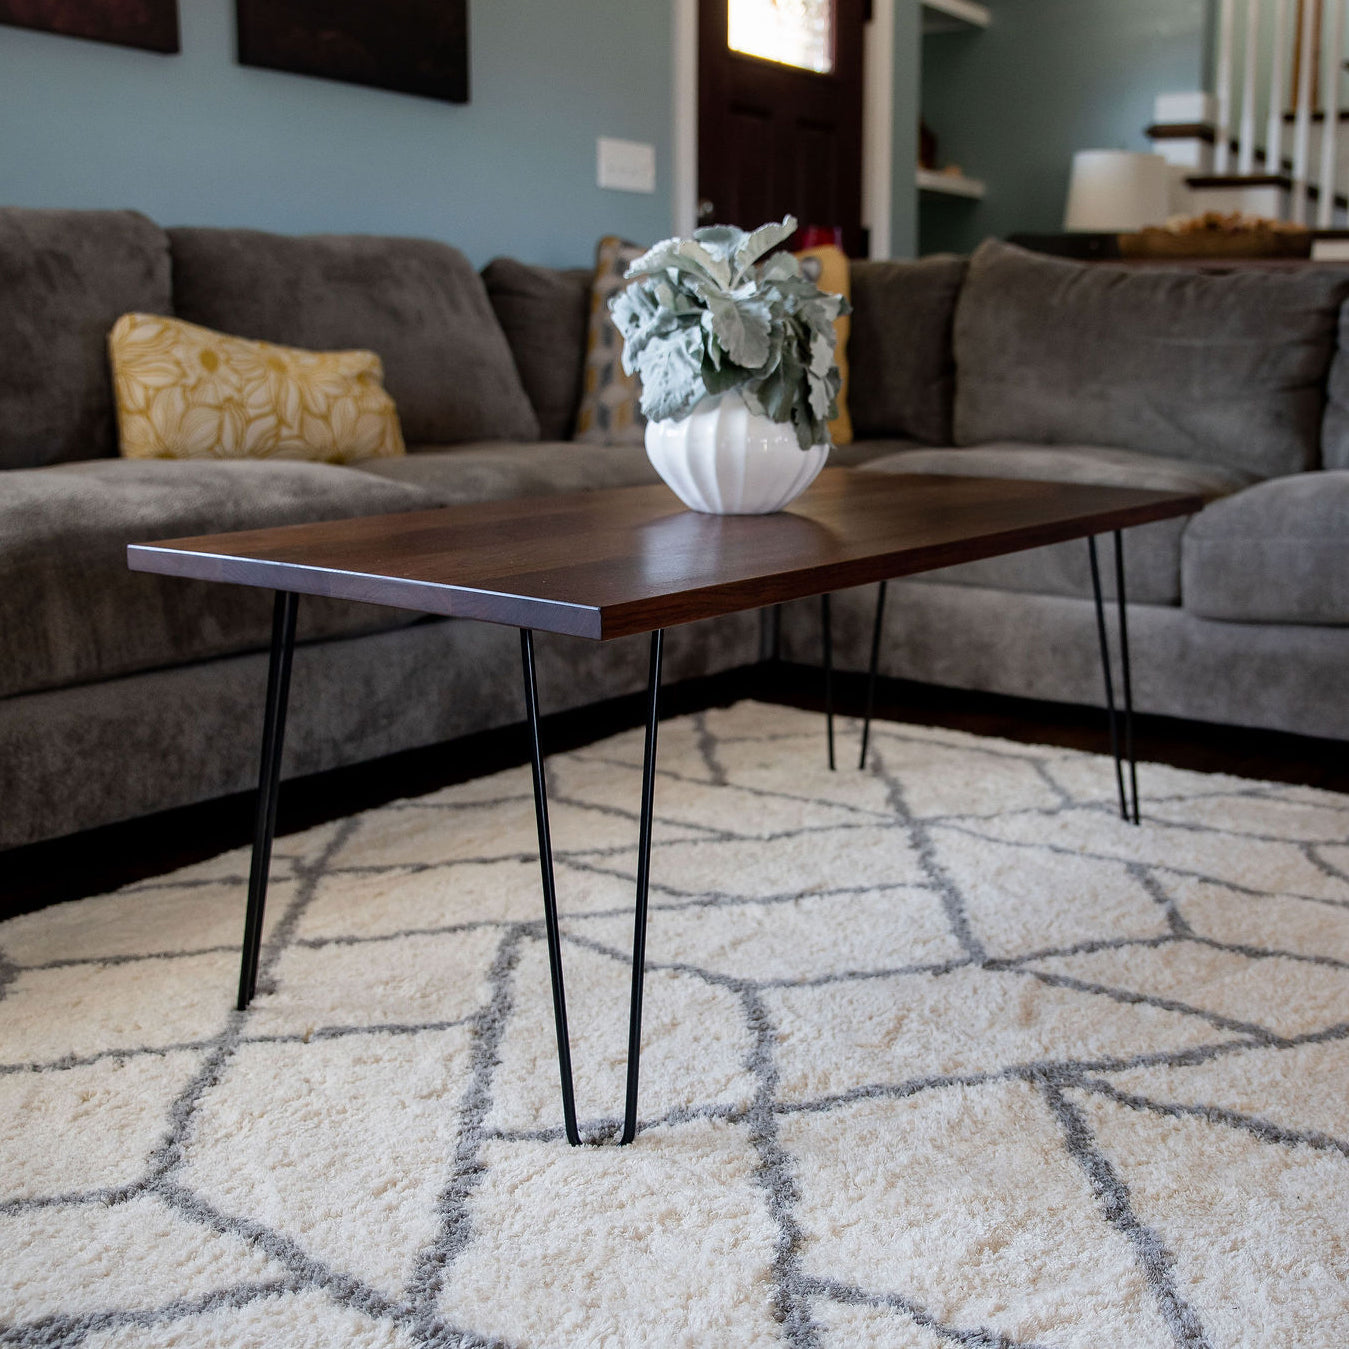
631	617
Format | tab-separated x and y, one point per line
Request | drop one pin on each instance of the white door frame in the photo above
877	122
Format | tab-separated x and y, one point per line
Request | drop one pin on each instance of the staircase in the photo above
1269	138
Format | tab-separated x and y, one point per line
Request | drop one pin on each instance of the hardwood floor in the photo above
1202	746
102	859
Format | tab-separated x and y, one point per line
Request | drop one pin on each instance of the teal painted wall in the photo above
1010	104
197	139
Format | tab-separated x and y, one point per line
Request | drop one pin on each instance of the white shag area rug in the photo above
939	1053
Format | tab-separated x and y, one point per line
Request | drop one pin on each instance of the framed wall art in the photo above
150	24
408	46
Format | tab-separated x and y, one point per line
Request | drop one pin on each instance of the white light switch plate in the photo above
626	166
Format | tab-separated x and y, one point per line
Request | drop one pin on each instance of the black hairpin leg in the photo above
827	641
871	672
550	891
269	777
1124	664
643	885
1124	809
775	635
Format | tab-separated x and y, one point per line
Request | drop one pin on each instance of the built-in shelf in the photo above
953	184
947	16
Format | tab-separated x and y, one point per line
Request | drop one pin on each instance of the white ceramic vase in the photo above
723	459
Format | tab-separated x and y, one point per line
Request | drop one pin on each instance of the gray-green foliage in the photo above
704	316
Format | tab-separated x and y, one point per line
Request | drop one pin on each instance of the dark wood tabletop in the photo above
629	560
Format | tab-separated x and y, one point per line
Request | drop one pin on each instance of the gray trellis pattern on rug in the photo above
938	1053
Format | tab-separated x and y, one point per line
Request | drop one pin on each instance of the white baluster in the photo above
1222	133
1332	62
1278	65
1302	126
1246	142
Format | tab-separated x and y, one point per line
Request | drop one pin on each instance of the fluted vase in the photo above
723	459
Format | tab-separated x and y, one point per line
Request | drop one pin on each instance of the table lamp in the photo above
1112	191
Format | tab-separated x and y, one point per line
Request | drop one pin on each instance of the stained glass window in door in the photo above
794	32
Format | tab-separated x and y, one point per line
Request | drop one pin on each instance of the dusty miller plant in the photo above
704	316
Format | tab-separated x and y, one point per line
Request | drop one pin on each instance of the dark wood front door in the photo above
775	138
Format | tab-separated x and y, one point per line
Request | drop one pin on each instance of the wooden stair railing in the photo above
1310	53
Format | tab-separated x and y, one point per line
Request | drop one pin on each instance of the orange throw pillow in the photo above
827	267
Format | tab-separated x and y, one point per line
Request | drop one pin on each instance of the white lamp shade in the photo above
1114	190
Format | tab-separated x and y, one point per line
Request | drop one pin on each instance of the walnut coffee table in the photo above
632	560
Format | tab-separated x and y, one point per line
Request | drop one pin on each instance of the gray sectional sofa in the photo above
122	693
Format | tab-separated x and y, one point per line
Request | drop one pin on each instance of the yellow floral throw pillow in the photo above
185	392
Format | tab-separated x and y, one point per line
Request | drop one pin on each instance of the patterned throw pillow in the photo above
827	267
185	392
610	411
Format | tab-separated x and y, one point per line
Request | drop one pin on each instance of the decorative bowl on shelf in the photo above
1218	235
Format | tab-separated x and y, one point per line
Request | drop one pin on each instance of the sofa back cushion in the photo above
1227	369
65	279
417	303
902	367
544	313
1335	428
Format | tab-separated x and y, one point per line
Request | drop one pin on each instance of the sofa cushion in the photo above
544	313
1226	369
864	451
493	470
72	612
418	303
65	279
903	369
1275	553
1151	552
1335	426
496	470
